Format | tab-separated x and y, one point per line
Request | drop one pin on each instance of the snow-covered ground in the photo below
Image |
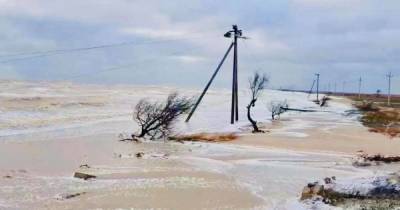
71	109
35	111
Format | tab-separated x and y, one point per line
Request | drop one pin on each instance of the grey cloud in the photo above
292	39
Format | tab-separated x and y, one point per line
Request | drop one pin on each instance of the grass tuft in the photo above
206	137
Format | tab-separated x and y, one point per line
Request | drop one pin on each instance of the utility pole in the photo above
389	87
317	86
209	83
311	90
344	84
236	33
335	88
235	105
359	88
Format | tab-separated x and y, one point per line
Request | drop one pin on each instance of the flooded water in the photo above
52	111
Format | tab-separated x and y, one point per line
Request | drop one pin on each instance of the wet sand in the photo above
256	171
37	174
175	175
347	140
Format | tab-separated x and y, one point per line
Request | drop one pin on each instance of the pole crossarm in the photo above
209	83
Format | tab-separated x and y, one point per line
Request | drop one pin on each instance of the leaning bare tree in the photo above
155	119
257	85
277	108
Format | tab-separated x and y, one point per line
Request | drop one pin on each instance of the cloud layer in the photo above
289	39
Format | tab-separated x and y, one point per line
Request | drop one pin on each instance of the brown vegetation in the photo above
83	176
384	120
379	100
206	137
381	158
380	119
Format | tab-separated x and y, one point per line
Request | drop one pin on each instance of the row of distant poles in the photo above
389	77
236	34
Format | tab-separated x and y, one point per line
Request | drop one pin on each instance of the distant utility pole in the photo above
359	88
236	33
344	84
335	88
317	85
389	76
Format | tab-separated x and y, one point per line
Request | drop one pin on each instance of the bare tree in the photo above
277	108
156	119
324	101
257	84
378	93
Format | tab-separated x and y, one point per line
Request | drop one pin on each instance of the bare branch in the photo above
277	108
156	119
256	84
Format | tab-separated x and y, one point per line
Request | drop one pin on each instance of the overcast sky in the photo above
180	42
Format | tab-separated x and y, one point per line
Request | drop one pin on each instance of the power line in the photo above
39	54
126	66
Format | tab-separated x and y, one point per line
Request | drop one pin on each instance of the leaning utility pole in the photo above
359	88
236	33
389	87
317	86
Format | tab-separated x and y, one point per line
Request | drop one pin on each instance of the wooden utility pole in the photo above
312	86
235	101
389	76
317	86
359	88
236	33
209	83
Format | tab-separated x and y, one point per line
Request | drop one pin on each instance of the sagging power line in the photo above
126	66
39	54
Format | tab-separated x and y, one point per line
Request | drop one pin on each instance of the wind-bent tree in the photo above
156	119
257	85
324	101
277	108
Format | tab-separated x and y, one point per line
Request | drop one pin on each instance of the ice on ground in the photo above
71	109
